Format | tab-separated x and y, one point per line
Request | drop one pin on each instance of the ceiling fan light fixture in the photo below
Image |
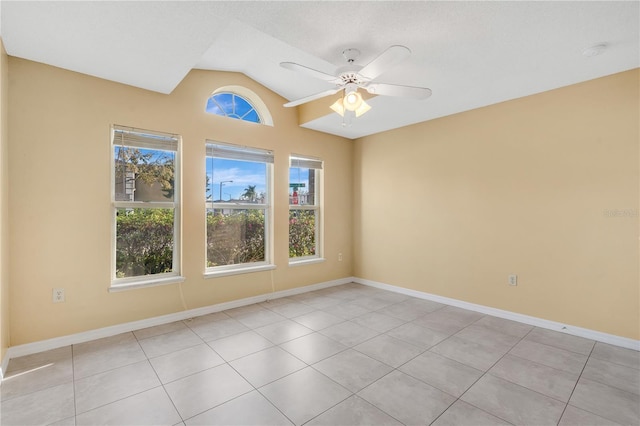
352	101
364	107
338	107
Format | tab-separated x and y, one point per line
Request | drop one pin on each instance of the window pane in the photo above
233	106
236	181
144	174
251	116
302	186
235	236
213	107
242	107
302	233
144	242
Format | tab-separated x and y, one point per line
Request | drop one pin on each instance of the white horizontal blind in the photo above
305	162
127	136
239	153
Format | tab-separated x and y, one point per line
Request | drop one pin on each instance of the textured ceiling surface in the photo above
470	54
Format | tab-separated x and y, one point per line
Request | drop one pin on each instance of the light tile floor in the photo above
345	355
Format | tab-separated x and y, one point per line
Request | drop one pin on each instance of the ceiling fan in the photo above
352	77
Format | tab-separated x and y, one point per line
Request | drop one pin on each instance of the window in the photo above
233	106
146	213
238	209
240	103
304	209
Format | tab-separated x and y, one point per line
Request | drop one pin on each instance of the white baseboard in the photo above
57	342
526	319
3	367
86	336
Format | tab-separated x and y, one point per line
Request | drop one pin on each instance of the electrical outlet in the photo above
339	257
513	279
58	295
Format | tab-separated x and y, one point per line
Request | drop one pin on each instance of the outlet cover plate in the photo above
58	295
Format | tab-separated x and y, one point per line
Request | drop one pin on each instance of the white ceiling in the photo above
471	54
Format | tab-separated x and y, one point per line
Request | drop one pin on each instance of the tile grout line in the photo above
158	377
274	406
637	368
351	393
346	347
578	380
307	365
397	369
134	394
456	399
189	375
576	385
483	374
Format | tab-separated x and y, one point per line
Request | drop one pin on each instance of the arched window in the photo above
232	105
239	103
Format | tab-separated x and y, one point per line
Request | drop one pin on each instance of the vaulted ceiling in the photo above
470	54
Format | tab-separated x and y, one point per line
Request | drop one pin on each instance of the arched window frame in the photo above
248	96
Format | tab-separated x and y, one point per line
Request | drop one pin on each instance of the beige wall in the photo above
449	207
4	204
454	205
60	196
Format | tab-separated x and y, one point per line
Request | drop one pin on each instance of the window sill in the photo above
238	271
146	282
307	261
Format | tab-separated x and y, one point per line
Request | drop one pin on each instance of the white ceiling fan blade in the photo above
398	90
310	71
313	97
387	59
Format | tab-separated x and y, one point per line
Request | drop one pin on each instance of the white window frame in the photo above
243	153
139	138
317	164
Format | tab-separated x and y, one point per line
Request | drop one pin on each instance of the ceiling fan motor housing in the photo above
351	55
351	76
